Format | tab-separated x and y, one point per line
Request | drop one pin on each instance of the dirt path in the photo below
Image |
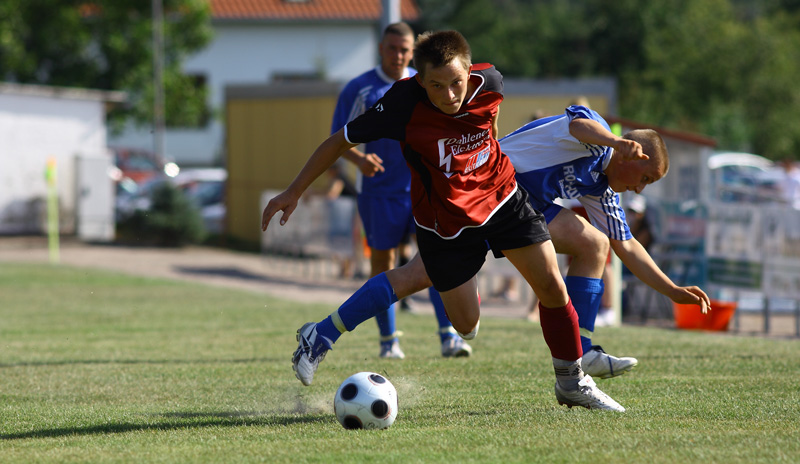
304	281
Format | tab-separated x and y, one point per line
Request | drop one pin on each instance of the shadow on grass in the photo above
140	361
238	274
191	421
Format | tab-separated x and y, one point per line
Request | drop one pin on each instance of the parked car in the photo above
141	165
744	177
205	187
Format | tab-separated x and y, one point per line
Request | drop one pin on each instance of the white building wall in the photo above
244	53
34	128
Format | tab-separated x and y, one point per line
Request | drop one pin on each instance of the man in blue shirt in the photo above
384	201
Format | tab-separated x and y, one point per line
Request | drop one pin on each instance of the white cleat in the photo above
303	364
455	347
588	396
392	351
598	363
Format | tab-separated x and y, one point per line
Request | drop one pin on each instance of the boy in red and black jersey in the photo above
464	197
458	178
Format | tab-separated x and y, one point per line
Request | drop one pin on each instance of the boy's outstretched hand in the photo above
285	202
692	295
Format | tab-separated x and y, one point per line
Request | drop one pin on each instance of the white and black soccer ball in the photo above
366	401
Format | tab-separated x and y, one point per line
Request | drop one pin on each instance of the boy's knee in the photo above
592	245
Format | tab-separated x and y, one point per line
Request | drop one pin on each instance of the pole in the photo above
616	264
390	14
52	210
158	78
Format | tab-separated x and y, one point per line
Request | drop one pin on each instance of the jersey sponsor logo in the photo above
460	115
379	107
454	146
478	160
567	184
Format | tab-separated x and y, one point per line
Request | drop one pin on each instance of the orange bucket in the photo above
689	316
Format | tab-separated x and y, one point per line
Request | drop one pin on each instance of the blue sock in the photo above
386	325
375	296
445	326
586	294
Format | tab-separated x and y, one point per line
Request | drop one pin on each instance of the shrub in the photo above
172	220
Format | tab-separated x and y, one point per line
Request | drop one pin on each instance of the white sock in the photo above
568	373
472	334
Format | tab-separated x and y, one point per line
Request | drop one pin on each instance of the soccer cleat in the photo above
588	396
392	351
598	363
455	347
304	363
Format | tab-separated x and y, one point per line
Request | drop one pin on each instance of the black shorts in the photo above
450	263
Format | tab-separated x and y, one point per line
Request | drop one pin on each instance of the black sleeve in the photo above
388	117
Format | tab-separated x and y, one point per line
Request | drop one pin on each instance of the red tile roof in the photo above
369	10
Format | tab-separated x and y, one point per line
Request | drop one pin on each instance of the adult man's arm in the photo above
368	163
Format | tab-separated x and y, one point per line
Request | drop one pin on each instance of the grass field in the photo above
99	367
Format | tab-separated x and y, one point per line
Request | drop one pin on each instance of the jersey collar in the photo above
385	77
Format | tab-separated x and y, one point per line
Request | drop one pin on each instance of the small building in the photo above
65	127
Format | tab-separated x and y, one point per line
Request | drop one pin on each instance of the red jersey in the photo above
459	177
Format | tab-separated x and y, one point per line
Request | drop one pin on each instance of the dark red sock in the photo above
561	331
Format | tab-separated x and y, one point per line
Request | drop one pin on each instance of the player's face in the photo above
396	52
632	176
446	85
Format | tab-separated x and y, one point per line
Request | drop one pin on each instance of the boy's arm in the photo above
322	158
592	132
636	258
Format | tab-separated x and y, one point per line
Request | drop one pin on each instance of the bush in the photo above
172	220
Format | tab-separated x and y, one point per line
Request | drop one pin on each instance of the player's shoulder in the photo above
407	87
492	78
579	111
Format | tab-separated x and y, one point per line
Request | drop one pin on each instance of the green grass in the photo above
100	367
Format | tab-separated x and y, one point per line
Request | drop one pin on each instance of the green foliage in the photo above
105	368
172	220
724	68
107	44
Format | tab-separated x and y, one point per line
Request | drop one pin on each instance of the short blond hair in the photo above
652	145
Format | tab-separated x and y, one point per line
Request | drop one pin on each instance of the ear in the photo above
418	78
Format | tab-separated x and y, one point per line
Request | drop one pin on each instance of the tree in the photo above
725	68
107	44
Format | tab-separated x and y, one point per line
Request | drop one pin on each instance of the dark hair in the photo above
441	48
401	29
652	145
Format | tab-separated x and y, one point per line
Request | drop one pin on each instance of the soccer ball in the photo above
366	401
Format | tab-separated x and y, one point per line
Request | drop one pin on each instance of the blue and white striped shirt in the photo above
552	164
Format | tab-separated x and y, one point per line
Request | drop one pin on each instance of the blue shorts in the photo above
387	219
550	211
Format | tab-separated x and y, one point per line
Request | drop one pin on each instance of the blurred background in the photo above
168	122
